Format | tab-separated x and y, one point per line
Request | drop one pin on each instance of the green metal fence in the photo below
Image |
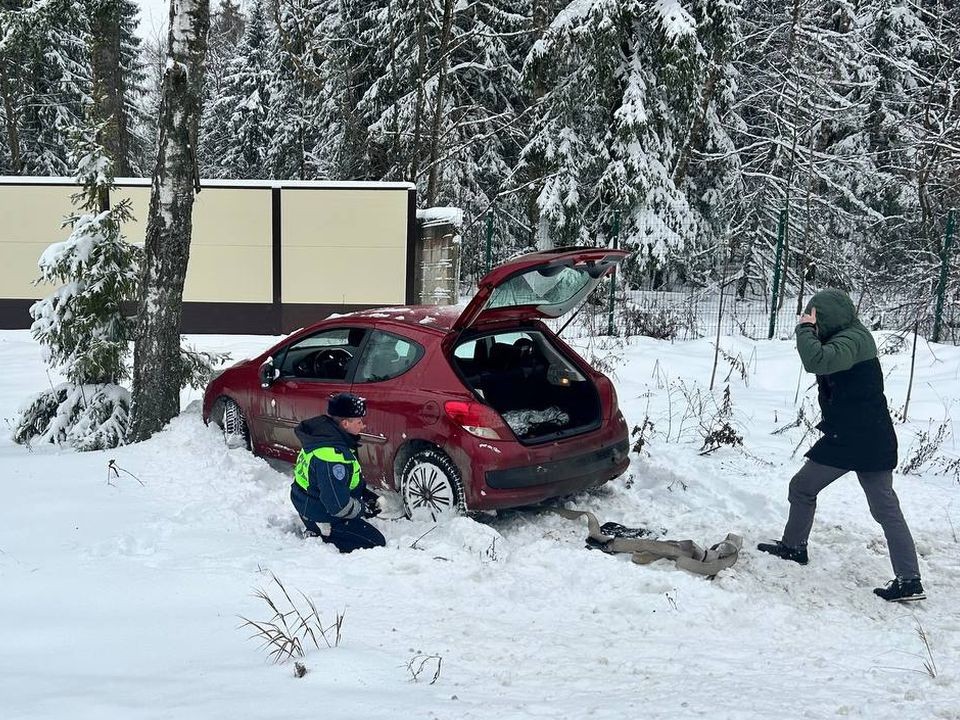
691	312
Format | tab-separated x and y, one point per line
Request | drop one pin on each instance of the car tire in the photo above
430	487
229	416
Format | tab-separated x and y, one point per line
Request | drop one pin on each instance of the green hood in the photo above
835	312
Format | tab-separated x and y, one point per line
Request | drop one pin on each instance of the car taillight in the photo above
476	418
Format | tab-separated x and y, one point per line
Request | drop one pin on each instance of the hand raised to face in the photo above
810	317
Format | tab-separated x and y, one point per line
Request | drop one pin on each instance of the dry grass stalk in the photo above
418	662
290	627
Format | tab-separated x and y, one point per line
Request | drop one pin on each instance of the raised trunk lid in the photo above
545	284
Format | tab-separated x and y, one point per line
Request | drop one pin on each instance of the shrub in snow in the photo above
86	417
197	366
81	325
719	432
660	323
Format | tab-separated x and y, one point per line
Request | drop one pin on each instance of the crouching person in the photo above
328	490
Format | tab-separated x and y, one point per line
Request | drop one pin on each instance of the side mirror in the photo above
268	373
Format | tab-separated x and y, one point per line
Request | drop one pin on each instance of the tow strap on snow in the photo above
687	554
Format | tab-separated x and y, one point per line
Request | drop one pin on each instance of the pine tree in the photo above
443	109
629	113
82	326
45	82
295	94
118	81
226	30
239	147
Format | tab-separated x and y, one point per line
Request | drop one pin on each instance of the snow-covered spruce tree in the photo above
846	185
295	91
238	147
914	133
45	82
324	40
631	105
707	165
478	127
443	109
119	79
13	38
226	30
81	325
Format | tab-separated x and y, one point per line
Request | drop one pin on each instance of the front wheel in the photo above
229	416
430	487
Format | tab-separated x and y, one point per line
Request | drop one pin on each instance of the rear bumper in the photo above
493	482
597	464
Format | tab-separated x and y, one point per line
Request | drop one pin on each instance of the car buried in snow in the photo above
472	409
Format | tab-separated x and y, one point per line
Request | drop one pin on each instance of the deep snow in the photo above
121	600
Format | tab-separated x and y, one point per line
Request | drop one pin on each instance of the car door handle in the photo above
373	439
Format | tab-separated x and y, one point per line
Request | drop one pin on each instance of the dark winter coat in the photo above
329	468
857	431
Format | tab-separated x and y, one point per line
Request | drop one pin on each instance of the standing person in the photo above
857	435
328	490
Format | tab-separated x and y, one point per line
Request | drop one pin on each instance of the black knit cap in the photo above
346	405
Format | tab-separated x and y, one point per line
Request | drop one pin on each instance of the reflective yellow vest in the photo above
301	472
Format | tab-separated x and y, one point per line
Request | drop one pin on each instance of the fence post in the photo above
613	274
942	284
776	274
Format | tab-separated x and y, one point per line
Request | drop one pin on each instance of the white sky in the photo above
154	14
153	17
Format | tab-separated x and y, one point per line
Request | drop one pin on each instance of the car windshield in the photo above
553	290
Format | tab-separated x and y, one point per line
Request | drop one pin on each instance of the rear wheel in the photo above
430	487
229	416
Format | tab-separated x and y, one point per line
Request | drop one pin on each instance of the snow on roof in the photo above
288	184
441	216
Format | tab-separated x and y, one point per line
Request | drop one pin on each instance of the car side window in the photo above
387	356
327	355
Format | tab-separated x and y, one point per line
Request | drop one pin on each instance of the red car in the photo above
475	409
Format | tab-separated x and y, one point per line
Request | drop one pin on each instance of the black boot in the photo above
786	552
900	590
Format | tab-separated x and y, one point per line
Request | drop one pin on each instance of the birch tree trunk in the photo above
157	363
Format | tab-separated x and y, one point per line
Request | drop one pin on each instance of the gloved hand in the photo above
371	507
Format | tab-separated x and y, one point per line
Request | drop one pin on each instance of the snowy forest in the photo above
695	131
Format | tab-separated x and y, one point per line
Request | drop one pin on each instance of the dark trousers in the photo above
349	535
884	507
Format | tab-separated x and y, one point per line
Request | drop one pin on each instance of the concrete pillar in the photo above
437	269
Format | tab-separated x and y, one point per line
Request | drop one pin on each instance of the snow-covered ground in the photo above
122	600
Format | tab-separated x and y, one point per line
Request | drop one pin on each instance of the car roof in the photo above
436	317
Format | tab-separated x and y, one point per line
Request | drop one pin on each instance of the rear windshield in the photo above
552	290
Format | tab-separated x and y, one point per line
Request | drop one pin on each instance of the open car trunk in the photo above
538	392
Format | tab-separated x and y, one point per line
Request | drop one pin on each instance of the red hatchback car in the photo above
470	409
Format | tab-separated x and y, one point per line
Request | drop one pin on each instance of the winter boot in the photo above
900	590
785	552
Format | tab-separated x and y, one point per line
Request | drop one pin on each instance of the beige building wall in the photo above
231	251
344	246
230	254
339	245
31	219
